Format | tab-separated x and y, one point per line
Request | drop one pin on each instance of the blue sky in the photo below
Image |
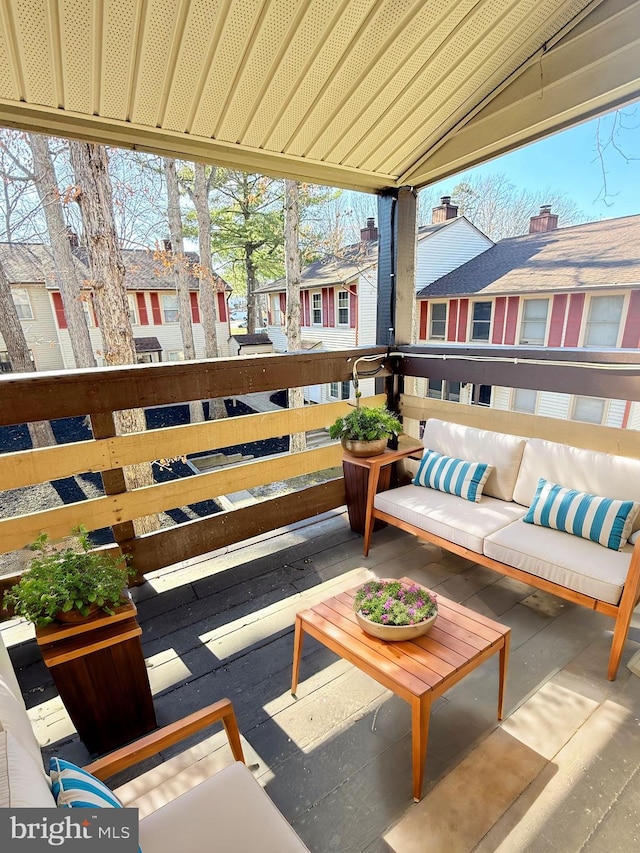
568	162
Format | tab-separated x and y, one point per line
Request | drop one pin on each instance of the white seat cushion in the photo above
453	518
502	451
228	813
570	561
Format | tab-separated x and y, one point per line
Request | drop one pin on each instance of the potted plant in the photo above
365	431
390	611
69	584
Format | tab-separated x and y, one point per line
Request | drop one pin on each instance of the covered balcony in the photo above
378	97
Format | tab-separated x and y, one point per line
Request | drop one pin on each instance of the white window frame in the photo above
164	297
432	336
343	308
22	303
591	325
87	306
600	401
133	309
533	341
277	317
334	390
175	355
316	309
474	321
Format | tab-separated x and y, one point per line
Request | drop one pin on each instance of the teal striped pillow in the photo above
455	476
602	520
75	788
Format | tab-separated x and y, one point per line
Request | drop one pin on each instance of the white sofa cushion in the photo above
575	563
584	470
503	452
7	673
465	523
14	719
22	782
228	813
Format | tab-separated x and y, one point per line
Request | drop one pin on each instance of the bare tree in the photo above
180	266
209	282
292	266
68	280
91	169
18	351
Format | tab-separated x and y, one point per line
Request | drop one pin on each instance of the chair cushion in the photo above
14	719
455	476
601	520
448	516
502	451
23	783
228	813
570	561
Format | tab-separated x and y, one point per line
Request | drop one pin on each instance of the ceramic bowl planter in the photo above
395	632
391	610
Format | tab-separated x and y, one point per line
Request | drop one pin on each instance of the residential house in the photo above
554	287
339	292
153	307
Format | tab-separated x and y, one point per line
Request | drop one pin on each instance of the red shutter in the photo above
424	311
59	309
353	307
332	308
453	320
512	320
558	310
222	308
195	308
325	306
574	319
155	309
462	319
498	320
142	309
283	308
631	334
306	310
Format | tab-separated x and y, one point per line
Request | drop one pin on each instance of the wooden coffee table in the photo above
417	671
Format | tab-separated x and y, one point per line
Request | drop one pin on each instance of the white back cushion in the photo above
584	470
502	451
7	673
22	782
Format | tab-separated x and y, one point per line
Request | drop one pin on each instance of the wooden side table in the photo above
363	477
100	673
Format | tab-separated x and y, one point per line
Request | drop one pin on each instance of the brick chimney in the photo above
370	232
544	221
444	211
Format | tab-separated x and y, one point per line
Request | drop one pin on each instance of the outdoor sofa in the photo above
523	520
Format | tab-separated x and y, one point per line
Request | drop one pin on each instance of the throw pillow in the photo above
73	787
603	520
455	476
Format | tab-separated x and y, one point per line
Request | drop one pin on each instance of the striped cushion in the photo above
602	520
72	787
455	476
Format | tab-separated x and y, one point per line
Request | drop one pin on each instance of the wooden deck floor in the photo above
558	774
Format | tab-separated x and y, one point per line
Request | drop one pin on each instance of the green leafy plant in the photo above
390	603
73	578
366	424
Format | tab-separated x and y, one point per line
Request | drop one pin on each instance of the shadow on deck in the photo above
558	774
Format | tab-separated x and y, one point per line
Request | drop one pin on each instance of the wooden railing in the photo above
99	393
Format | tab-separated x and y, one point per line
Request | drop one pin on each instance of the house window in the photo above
343	308
5	363
169	308
22	304
346	389
87	307
534	322
603	322
590	410
481	321
524	400
175	355
438	323
277	319
439	389
316	309
334	390
481	395
131	302
340	390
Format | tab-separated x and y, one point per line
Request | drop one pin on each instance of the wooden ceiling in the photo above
364	94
